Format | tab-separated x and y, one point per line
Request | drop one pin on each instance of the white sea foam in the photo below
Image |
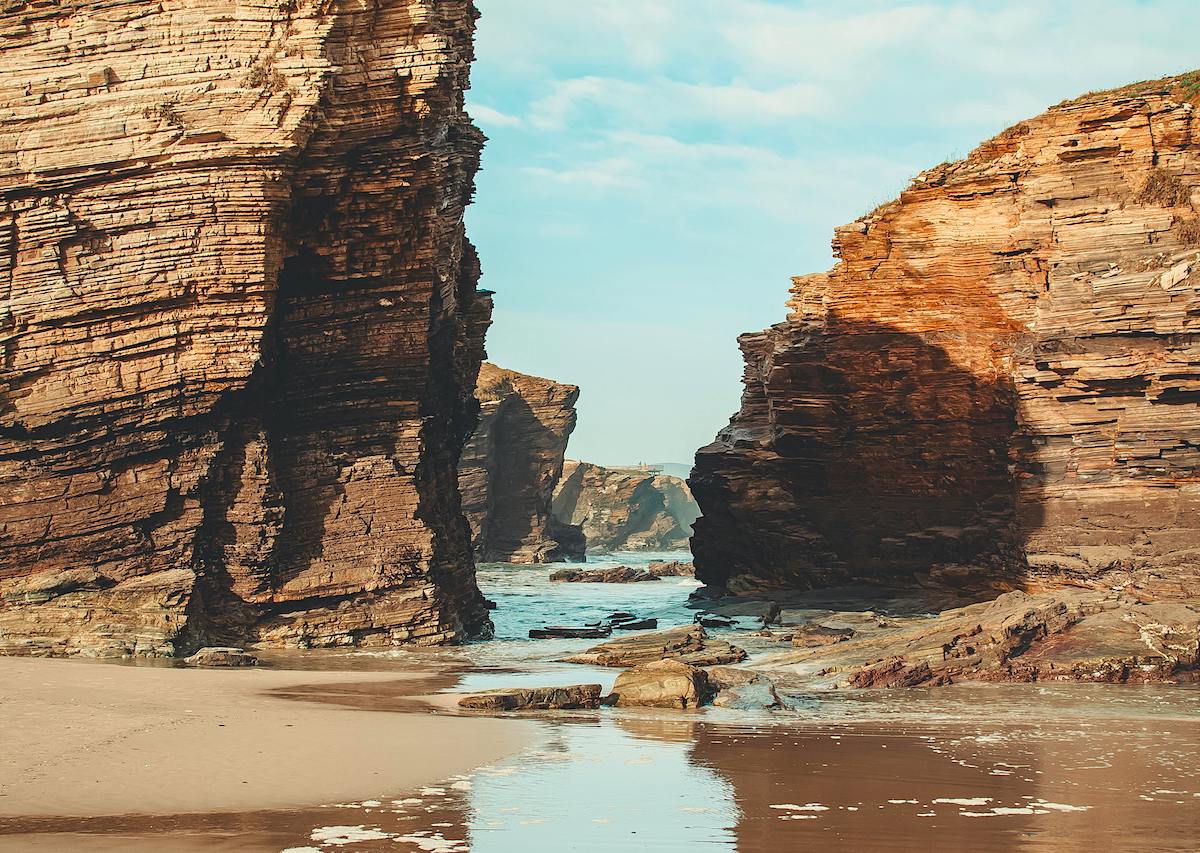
339	835
964	801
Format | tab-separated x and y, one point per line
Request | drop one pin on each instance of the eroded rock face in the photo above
1001	372
625	509
511	465
241	328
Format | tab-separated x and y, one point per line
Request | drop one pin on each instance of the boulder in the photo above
576	696
226	656
662	684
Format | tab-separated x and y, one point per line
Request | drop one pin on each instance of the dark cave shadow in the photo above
885	457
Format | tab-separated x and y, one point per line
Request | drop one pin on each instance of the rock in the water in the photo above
1000	372
241	326
635	625
625	509
586	632
511	465
743	689
617	574
534	698
221	656
688	643
672	569
661	684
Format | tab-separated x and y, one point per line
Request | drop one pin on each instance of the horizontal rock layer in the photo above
1001	371
240	329
625	509
511	465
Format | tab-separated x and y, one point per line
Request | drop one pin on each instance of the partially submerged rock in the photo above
565	632
576	696
662	684
688	643
226	656
743	689
617	574
671	569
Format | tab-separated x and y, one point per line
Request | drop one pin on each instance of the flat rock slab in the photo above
562	632
811	636
1061	635
743	689
576	696
688	643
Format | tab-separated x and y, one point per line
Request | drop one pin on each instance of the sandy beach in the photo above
88	739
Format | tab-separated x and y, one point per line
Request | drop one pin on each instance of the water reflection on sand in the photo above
980	768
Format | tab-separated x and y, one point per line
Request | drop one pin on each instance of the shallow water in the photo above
981	768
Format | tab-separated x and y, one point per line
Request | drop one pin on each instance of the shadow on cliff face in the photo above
861	451
519	490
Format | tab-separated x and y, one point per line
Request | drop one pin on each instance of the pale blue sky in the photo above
657	169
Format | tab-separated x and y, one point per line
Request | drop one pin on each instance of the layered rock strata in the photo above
625	509
511	465
1000	376
1064	635
240	327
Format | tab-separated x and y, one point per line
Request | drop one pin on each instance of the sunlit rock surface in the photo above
625	509
999	378
240	325
511	465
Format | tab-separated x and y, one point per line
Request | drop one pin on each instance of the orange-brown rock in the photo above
1001	372
511	465
625	509
1056	635
241	329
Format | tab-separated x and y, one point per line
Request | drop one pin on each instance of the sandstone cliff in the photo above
511	465
625	509
1000	376
240	327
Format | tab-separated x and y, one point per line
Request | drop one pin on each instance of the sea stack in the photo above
1001	374
242	328
511	465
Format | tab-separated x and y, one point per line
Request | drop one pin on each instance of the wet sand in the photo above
89	739
989	768
670	781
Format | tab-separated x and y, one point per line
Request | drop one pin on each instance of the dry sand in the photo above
80	738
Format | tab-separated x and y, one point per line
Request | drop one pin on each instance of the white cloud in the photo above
663	102
489	117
